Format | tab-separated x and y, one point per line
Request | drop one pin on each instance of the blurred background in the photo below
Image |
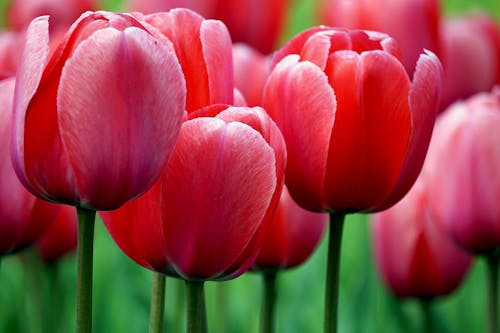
36	297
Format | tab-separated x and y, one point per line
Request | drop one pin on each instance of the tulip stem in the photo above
196	322
492	278
268	302
427	318
157	308
332	272
85	256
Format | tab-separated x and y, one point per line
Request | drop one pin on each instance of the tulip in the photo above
207	223
257	23
470	55
414	253
95	122
60	239
355	126
292	237
23	217
461	171
251	69
204	51
62	13
413	23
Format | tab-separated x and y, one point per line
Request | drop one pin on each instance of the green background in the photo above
37	298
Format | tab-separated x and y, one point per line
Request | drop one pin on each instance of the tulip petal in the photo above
120	99
424	99
211	214
217	51
30	70
305	114
371	131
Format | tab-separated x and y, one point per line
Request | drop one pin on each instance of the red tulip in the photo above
414	254
204	51
355	126
413	23
471	56
62	13
258	23
462	170
95	123
61	237
23	217
251	70
292	237
206	216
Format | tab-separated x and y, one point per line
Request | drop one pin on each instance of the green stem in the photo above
268	303
85	254
427	317
332	272
157	303
195	307
492	281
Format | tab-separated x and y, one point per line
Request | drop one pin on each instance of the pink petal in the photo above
217	51
212	213
424	99
31	66
120	104
305	114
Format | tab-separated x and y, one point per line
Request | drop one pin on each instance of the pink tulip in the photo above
205	218
462	172
471	56
355	126
95	123
23	217
292	237
258	23
62	13
204	51
413	23
61	237
413	252
251	70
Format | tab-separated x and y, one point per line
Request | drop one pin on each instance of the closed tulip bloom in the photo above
95	123
251	69
203	48
414	254
355	126
413	23
471	56
61	237
205	218
258	23
292	237
462	171
62	13
23	217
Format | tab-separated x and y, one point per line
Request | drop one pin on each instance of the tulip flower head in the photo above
471	56
356	127
96	121
462	171
206	217
413	252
